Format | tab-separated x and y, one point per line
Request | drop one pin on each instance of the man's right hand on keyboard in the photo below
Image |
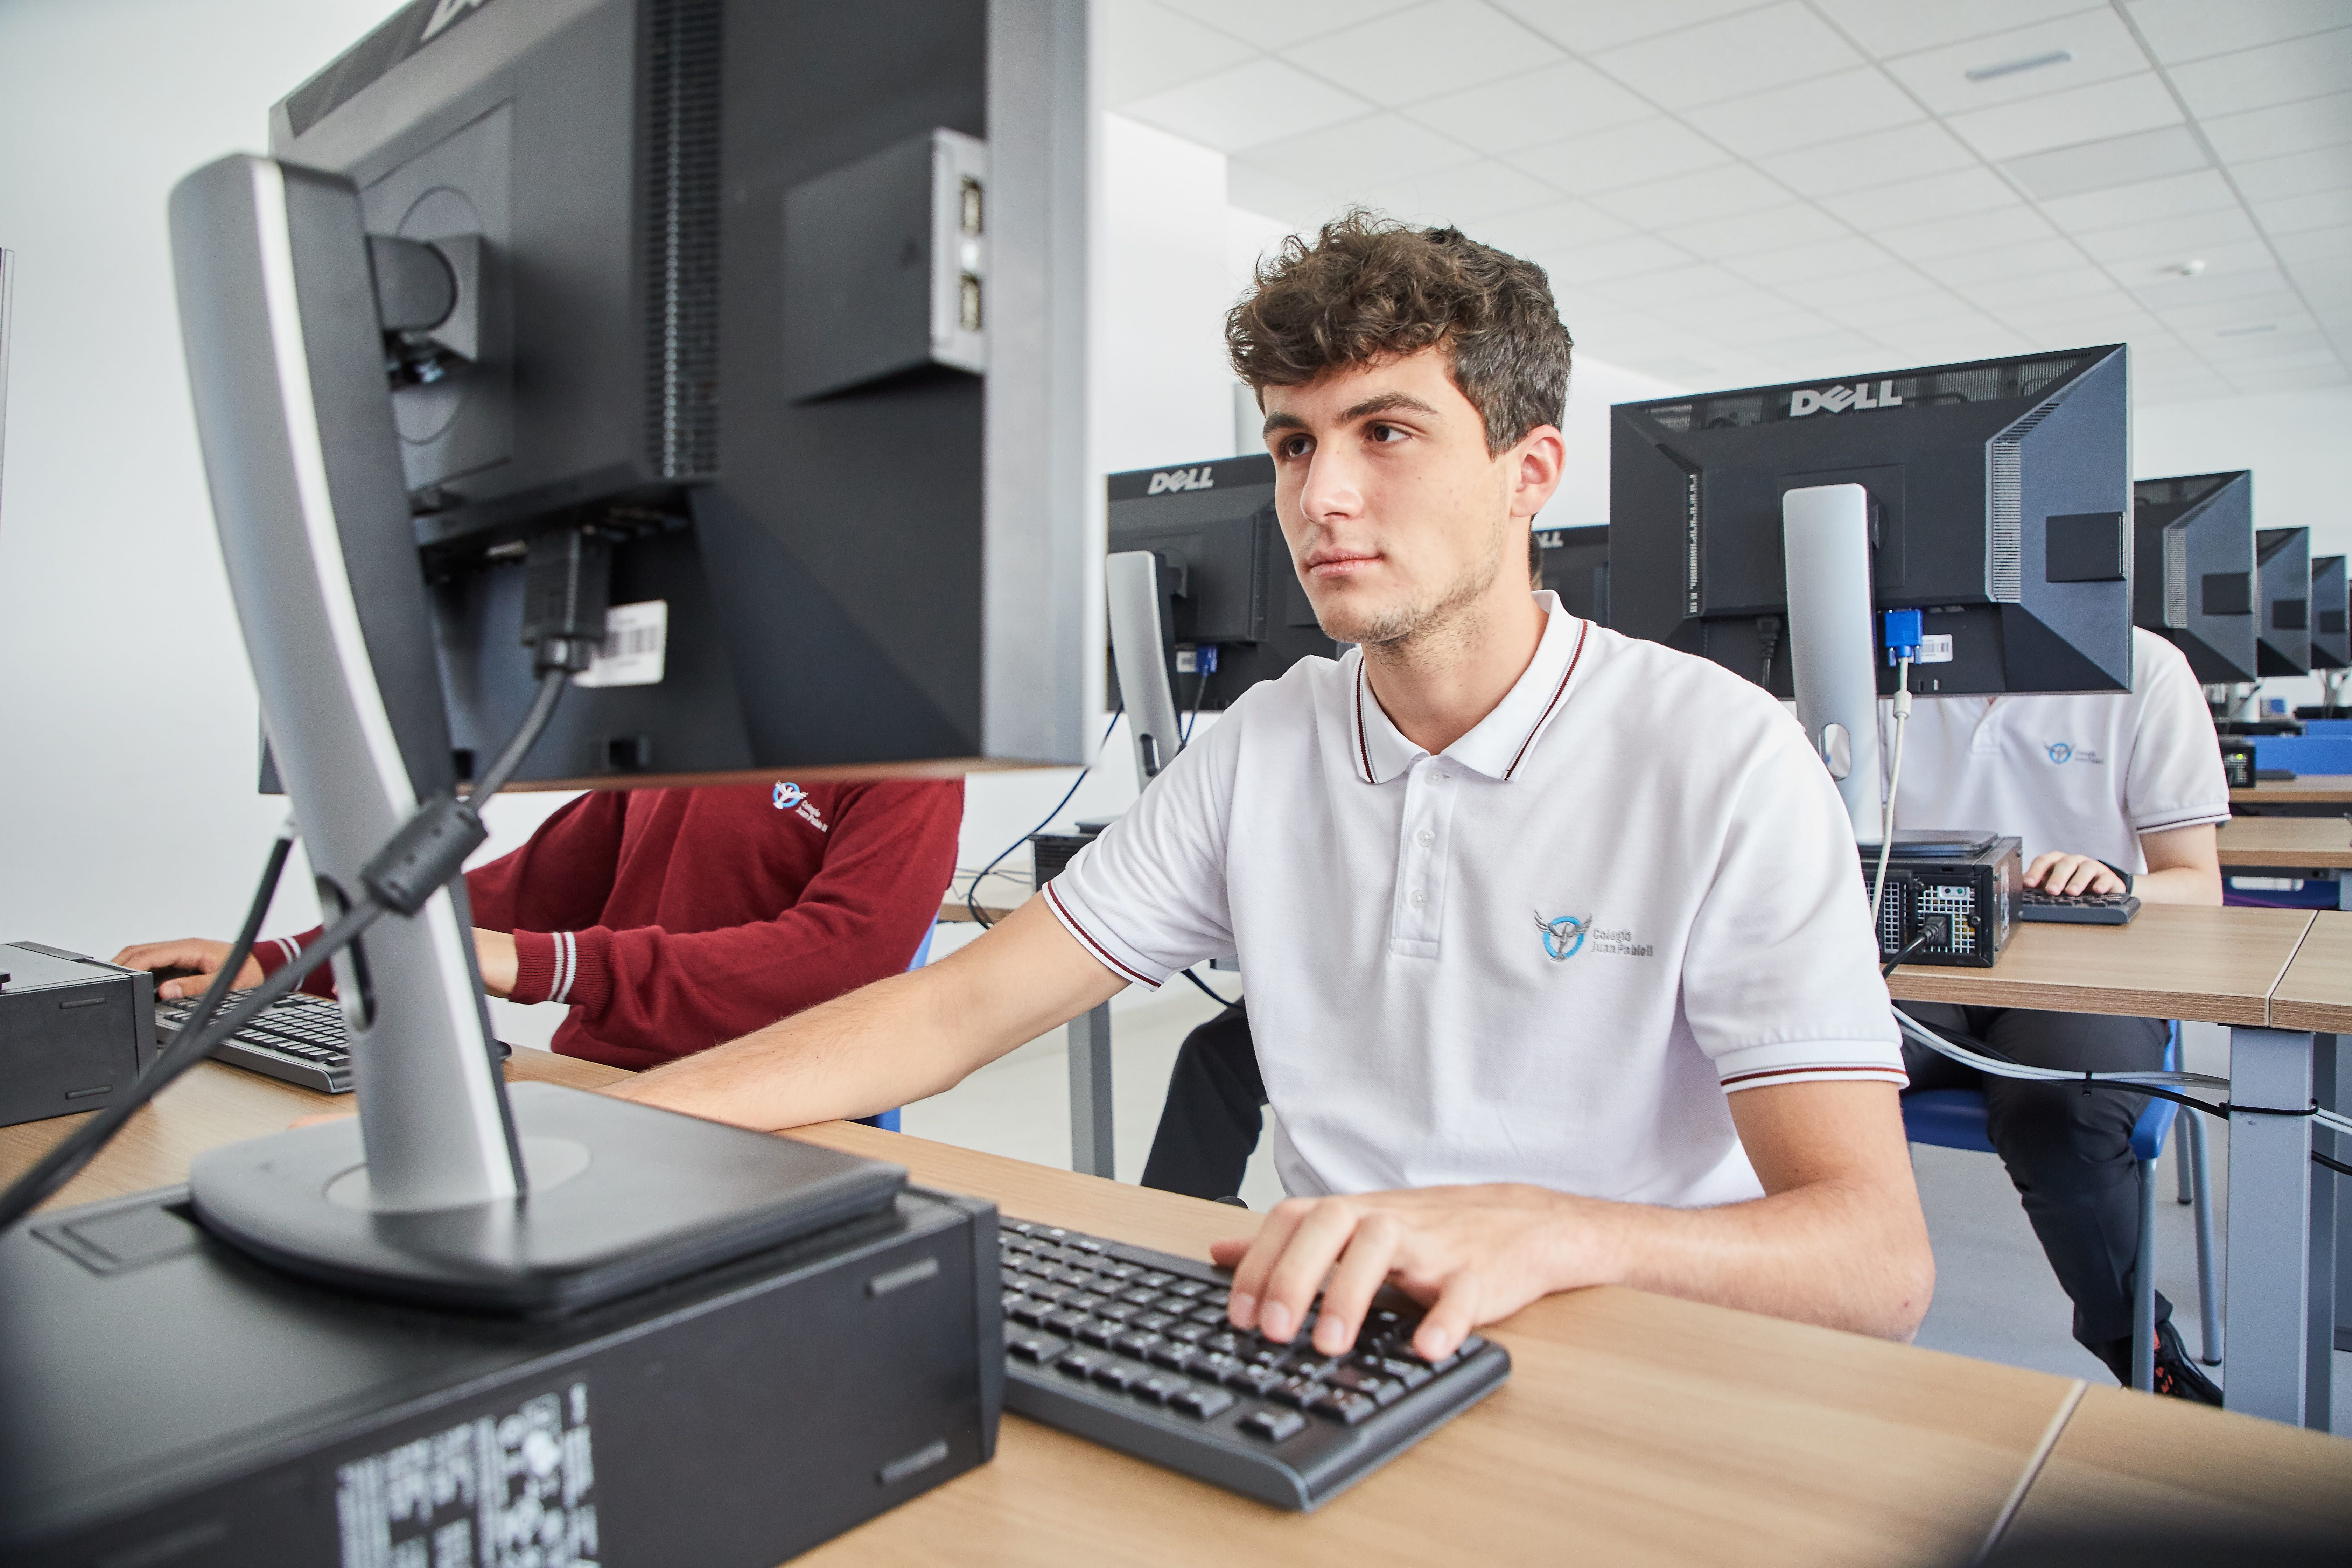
194	953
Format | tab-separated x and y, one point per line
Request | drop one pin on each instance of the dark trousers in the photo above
1211	1121
2067	1146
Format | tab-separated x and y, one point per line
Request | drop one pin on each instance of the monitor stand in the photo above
443	1189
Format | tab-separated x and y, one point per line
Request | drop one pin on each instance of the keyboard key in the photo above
1212	1314
1155	1322
1225	1342
1247	1379
1158	1388
1297	1392
1140	1296
1348	1406
1118	1311
1113	1374
1097	1332
1031	1312
1410	1373
1156	1279
1080	1363
1274	1426
1035	1347
1173	1356
1083	1300
1066	1321
1137	1344
1187	1289
1200	1402
1372	1386
1125	1273
1193	1333
1013	1299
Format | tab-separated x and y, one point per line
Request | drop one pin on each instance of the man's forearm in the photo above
1836	1252
2178	885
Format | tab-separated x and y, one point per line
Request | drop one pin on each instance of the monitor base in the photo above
623	1198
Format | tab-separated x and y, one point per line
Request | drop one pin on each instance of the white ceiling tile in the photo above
1461	196
1821	354
1948	194
2284	127
1653	149
2085	318
1834	258
1379	149
1880	158
2095	45
1776	324
1897	310
1993	227
1614	258
2295	175
1710	193
1569	99
1558	227
1261	101
1887	27
1774	228
1831	290
2220	315
2180	30
2315	244
2112	161
2079	282
2003	261
1723	58
1256	190
2167	293
2315	209
2092	113
1587	26
2275	73
2173	197
2303	380
1142	49
1690	284
1806	114
1281	23
1438	46
2157	240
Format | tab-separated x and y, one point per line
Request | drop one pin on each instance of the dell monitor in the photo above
2331	637
1234	613
2193	547
778	296
1576	567
1998	493
2283	587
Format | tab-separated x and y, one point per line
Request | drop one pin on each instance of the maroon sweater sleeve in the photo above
557	880
888	860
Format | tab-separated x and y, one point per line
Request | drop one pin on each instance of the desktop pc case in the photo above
171	1402
1961	902
73	1031
2000	493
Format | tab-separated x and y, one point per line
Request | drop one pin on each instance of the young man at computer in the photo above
669	919
2095	785
1546	992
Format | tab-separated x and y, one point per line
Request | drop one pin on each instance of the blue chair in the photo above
1955	1119
888	1121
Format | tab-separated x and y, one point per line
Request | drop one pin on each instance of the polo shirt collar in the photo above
1497	744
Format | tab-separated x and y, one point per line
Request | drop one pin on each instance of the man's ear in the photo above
1538	461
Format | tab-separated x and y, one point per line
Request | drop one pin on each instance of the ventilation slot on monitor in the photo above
1690	528
2176	576
679	180
2005	554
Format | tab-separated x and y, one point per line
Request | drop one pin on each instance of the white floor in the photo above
1995	1297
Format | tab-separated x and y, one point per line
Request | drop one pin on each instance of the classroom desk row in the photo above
1635	1428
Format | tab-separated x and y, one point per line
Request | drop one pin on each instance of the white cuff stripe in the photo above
566	967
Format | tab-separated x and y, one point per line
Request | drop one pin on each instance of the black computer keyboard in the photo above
2077	908
300	1038
1130	1348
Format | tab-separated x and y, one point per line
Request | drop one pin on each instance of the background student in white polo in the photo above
1549	992
2110	792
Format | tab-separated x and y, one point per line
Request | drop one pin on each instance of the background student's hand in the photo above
1471	1255
189	952
2059	872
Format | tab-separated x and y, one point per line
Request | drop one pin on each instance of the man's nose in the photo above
1331	488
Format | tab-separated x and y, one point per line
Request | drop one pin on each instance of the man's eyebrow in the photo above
1282	422
1385	403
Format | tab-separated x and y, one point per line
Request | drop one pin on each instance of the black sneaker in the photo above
2177	1376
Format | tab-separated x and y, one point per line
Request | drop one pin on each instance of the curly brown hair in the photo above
1370	289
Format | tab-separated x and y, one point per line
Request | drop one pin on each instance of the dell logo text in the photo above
1838	399
1199	478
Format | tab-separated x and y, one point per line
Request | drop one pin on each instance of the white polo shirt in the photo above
2085	774
1542	955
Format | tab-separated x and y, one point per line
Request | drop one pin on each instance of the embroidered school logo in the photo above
2060	753
1562	937
793	798
789	795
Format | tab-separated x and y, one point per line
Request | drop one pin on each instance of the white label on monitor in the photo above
1936	649
636	638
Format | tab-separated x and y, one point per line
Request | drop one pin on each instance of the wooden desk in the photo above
2287	843
2316	992
1635	1429
2131	1461
2175	960
2309	789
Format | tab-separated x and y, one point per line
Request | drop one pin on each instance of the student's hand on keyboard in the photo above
194	953
2056	871
1471	1255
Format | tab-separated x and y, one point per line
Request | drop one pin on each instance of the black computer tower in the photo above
1957	906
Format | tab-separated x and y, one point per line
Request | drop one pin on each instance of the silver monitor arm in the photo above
1825	542
1138	649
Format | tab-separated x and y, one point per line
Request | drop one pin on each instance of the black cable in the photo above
972	893
1204	987
2338	1167
1887	969
534	724
1200	690
224	981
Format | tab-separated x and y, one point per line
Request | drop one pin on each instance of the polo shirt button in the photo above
1424	838
1416	898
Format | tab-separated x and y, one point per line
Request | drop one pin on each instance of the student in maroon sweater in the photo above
669	919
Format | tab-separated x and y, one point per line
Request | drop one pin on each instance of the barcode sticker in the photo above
1936	649
636	639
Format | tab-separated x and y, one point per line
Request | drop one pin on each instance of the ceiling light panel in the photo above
2025	62
1440	46
1803	115
2107	163
1727	57
2067	119
1550	104
1263	100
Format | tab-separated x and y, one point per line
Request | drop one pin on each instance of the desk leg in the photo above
2269	1297
2318	1399
1090	1120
